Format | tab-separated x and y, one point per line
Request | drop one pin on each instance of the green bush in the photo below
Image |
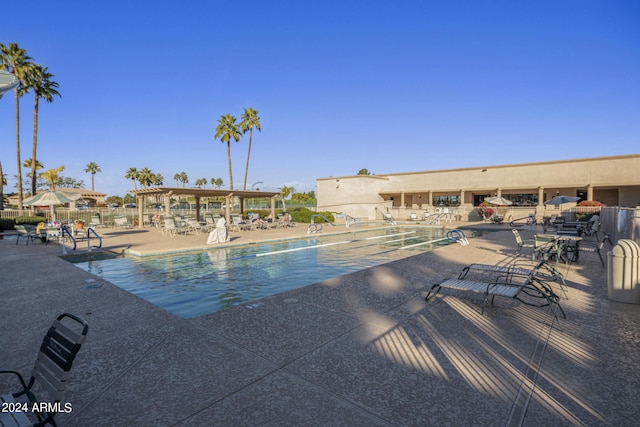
30	220
304	215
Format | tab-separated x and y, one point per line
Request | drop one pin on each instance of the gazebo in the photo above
199	193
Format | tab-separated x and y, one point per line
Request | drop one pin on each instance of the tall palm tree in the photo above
92	168
226	130
15	60
184	179
38	78
132	174
201	182
145	177
249	120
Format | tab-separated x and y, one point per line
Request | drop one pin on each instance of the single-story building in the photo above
614	181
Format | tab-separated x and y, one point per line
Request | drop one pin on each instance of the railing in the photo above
91	230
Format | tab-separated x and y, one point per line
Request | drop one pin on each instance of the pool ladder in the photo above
316	228
65	230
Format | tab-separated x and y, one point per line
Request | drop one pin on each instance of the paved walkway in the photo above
363	349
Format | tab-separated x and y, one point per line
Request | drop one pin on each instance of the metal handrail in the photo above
89	231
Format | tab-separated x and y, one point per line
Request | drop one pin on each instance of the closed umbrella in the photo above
498	201
561	200
8	82
51	199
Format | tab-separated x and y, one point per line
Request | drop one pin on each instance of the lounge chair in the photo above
50	374
27	234
193	225
95	222
122	222
511	282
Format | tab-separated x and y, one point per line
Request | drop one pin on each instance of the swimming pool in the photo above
196	283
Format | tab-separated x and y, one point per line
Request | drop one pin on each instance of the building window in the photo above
446	200
523	199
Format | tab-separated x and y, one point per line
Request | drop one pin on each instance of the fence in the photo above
621	223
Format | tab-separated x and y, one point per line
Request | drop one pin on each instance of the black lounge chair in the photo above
51	373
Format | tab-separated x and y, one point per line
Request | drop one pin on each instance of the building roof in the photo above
203	192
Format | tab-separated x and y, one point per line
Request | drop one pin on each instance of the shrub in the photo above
304	215
485	209
30	220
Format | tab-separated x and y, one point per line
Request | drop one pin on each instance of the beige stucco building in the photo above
614	181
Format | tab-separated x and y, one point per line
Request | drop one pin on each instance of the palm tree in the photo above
39	79
92	168
249	121
146	177
15	60
132	174
284	193
200	182
226	130
184	179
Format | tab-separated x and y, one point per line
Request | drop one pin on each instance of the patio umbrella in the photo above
561	200
51	199
498	201
8	82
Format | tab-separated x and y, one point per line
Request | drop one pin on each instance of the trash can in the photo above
624	272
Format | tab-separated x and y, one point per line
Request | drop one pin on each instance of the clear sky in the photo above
390	86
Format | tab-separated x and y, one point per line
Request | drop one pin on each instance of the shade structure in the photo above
8	82
51	199
561	200
498	201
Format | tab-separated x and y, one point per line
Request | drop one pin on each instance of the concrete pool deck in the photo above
359	350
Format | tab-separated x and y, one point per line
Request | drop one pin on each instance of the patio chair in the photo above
95	222
27	234
593	228
587	247
50	374
522	243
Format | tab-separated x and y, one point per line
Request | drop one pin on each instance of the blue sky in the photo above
390	86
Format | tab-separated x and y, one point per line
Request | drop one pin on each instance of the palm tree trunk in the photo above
230	171
246	171
1	188
20	195
34	148
92	178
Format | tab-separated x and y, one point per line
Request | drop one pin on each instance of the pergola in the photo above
199	193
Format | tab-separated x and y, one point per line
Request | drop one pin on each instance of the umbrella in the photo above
498	200
561	200
8	82
51	198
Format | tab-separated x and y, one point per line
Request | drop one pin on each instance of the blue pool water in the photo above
196	283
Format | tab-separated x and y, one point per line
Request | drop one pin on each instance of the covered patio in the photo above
199	194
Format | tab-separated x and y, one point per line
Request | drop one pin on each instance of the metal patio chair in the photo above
50	373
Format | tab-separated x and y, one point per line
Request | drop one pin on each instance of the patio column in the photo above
461	197
198	208
430	198
167	204
140	202
499	192
402	199
227	209
273	207
589	192
540	196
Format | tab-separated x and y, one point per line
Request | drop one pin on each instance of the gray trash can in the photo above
624	272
